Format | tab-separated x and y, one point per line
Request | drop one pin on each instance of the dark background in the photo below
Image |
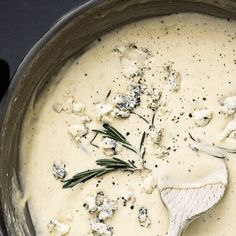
22	23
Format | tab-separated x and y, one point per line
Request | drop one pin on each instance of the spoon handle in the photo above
176	227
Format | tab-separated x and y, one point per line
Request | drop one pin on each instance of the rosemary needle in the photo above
112	133
142	141
141	117
108	94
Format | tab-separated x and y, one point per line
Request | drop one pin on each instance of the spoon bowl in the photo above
187	204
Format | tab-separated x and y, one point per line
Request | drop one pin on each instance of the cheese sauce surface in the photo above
159	82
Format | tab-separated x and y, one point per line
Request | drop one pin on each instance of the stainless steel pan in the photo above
68	37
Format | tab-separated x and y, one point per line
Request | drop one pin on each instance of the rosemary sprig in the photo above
215	151
111	132
107	166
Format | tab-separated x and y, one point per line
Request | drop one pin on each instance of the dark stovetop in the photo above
22	23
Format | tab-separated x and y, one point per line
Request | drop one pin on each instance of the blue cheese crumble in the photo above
149	184
117	113
126	102
77	131
101	205
69	106
93	201
57	228
107	209
128	195
104	111
153	99
202	117
59	170
111	147
173	77
143	217
228	105
134	60
101	229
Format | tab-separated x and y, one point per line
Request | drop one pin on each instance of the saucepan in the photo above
70	36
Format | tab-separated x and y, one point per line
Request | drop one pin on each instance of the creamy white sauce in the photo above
190	58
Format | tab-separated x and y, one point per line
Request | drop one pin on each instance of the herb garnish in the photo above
215	151
108	94
107	166
111	132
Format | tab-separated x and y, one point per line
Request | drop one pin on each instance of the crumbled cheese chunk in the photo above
134	60
78	108
228	105
101	229
107	209
90	204
104	112
68	105
137	89
103	206
117	113
127	195
202	117
77	131
156	134
57	107
174	80
149	184
230	129
93	201
111	147
154	99
59	170
126	102
143	218
100	198
173	77
57	228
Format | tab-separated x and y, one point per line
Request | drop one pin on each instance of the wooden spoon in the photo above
186	204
